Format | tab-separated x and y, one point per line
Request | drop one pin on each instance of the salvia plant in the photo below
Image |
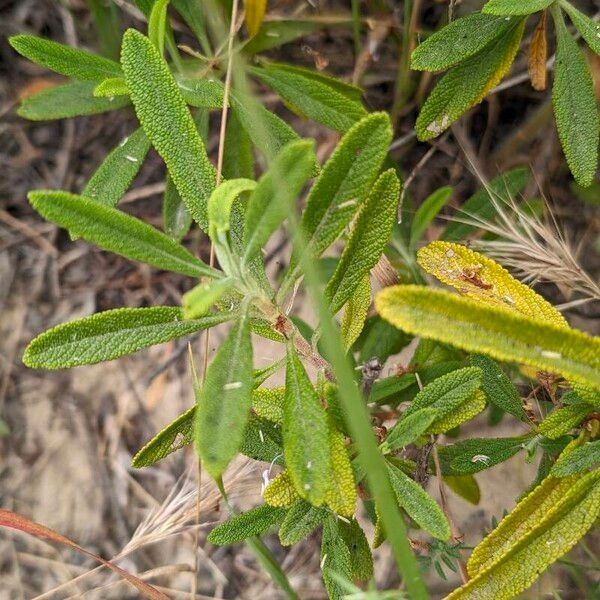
316	432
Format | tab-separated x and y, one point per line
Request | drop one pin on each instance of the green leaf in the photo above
113	86
281	491
498	387
515	7
419	505
371	232
447	392
465	486
176	217
356	311
167	122
588	28
245	525
500	190
361	559
408	429
457	41
198	301
300	521
113	230
201	93
224	400
178	434
69	100
341	495
270	203
380	340
157	24
65	60
110	334
268	132
312	97
462	413
562	420
305	433
541	529
238	158
574	102
193	14
221	202
110	181
335	559
581	459
345	181
268	403
427	212
497	332
477	454
467	84
262	441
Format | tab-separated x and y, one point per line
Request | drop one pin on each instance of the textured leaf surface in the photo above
588	28
409	428
176	217
271	202
198	301
371	232
268	403
515	7
117	232
300	521
581	459
281	491
498	387
467	84
175	435
312	97
457	41
201	93
224	400
501	334
419	505
477	454
110	334
110	181
501	189
356	311
529	539
65	60
245	525
483	279
335	558
167	122
464	412
305	433
341	493
69	100
111	87
345	181
562	420
254	14
361	559
221	201
575	108
262	441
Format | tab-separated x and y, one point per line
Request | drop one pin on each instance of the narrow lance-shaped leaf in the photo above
300	521
311	97
588	28
356	311
113	230
254	14
221	202
427	212
336	559
110	334
457	41
111	87
462	413
65	60
468	83
562	420
69	100
501	334
110	181
581	459
245	525
408	429
341	495
305	433
575	108
369	237
167	122
483	279
515	7
529	539
270	202
223	402
157	24
198	301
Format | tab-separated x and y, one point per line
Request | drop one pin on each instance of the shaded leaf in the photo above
246	525
356	311
300	521
254	14
583	458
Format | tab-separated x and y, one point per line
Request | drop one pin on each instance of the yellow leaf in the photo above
483	279
356	312
469	409
341	495
255	12
281	491
537	56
